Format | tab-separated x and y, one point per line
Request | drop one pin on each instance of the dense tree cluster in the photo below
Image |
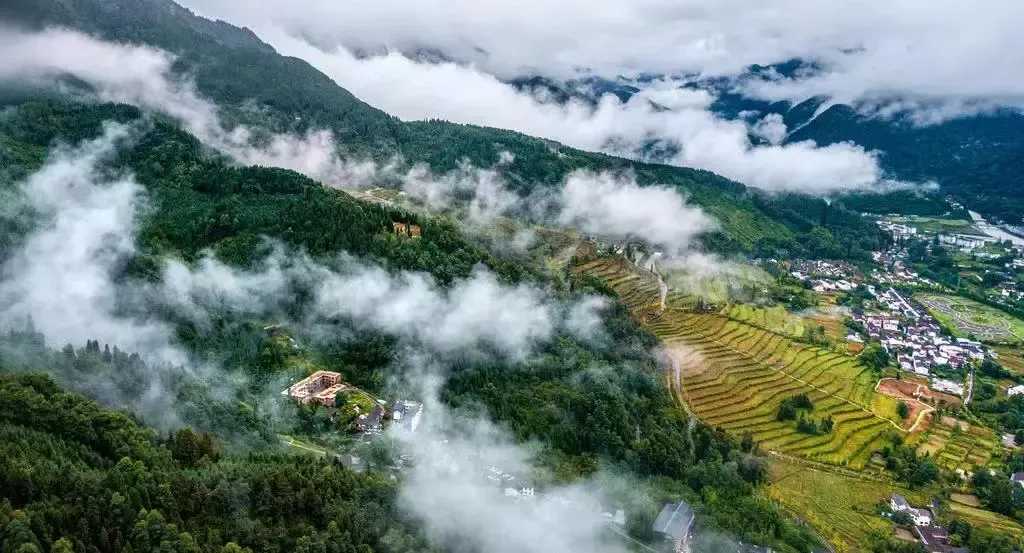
911	468
75	476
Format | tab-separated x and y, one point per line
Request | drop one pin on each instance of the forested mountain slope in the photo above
203	201
196	204
78	477
195	200
977	158
236	70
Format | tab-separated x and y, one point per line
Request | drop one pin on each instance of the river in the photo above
993	230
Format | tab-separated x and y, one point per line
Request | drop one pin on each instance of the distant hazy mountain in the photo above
238	71
978	159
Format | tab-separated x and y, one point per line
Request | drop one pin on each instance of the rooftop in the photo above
674	520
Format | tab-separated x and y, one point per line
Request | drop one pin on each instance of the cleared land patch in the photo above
734	375
969	318
917	409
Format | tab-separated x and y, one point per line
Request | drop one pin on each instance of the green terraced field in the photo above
969	318
842	508
775	318
734	375
957	448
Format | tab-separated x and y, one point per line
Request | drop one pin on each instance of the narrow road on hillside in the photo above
970	388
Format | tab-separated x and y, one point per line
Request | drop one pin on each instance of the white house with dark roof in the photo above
674	523
920	517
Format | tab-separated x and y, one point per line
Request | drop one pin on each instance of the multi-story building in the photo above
320	387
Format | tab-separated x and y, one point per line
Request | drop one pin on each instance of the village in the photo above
916	341
909	334
989	249
896	307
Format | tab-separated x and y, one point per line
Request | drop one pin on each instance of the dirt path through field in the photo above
910	392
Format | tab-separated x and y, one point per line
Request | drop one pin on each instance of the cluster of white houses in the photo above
916	340
934	538
825	276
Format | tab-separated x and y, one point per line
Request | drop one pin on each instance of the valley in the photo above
510	277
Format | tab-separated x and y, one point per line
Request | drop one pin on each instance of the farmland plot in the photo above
733	375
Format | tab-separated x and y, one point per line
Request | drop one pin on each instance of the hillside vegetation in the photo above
237	71
199	201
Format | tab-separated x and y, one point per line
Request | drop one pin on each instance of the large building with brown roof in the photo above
320	387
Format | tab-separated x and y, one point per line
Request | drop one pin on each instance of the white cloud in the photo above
933	50
466	94
481	192
475	314
62	275
143	76
771	128
447	488
606	205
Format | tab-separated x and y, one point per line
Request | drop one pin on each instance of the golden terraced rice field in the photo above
733	375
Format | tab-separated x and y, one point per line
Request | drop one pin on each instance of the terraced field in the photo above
967	317
841	507
1012	358
775	318
958	448
987	519
734	375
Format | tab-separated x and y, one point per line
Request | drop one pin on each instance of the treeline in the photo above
165	396
78	477
199	200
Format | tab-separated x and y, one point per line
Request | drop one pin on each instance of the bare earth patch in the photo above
917	390
914	394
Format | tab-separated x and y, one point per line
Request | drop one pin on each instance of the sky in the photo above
931	47
451	60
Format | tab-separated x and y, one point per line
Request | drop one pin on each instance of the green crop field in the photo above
734	375
969	318
842	508
931	225
775	318
955	447
987	519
